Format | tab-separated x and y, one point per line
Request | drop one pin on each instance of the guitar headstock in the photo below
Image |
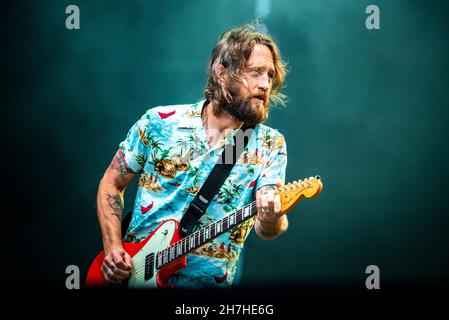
292	193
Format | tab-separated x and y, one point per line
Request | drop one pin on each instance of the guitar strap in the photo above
214	181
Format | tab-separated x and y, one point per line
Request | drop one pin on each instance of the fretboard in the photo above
204	235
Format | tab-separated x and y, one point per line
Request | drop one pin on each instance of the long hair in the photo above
233	51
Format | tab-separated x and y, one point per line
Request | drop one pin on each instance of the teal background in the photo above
367	112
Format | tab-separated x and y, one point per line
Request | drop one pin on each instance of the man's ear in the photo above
221	73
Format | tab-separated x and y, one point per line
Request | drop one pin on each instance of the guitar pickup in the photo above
149	266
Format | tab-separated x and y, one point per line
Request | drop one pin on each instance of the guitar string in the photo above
183	242
252	206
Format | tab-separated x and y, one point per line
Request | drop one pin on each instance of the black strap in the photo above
214	181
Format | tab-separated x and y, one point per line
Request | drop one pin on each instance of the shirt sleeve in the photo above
275	164
136	146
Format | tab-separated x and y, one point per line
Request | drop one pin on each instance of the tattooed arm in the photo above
117	263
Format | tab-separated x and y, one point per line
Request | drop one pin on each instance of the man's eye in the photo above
270	75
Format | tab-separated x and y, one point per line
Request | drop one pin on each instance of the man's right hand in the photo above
117	265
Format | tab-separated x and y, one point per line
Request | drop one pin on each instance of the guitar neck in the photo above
200	237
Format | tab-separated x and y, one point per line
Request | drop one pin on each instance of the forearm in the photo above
110	210
272	229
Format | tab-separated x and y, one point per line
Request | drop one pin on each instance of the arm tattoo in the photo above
116	203
119	164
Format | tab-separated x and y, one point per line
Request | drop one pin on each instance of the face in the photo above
250	98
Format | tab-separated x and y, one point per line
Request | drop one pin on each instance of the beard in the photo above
245	109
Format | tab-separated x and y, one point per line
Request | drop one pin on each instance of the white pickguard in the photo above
160	240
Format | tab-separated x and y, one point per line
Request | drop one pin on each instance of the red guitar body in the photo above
163	236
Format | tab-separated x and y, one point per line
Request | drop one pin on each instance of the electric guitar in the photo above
163	253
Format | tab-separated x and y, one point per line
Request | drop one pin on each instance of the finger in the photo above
277	205
108	262
107	265
108	275
118	261
128	261
264	202
121	274
112	279
270	201
258	201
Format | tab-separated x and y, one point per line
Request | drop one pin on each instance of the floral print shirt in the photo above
169	148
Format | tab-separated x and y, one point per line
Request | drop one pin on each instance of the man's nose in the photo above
264	82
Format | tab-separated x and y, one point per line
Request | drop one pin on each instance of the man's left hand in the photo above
268	206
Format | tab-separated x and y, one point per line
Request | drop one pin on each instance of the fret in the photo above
237	217
201	236
231	220
246	212
191	241
217	227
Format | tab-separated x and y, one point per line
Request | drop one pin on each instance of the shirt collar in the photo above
192	117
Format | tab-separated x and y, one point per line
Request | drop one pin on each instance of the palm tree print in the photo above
140	159
229	191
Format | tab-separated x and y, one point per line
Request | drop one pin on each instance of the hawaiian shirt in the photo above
168	147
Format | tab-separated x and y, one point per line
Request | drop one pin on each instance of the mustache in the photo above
262	96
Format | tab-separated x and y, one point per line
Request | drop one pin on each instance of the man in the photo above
174	148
